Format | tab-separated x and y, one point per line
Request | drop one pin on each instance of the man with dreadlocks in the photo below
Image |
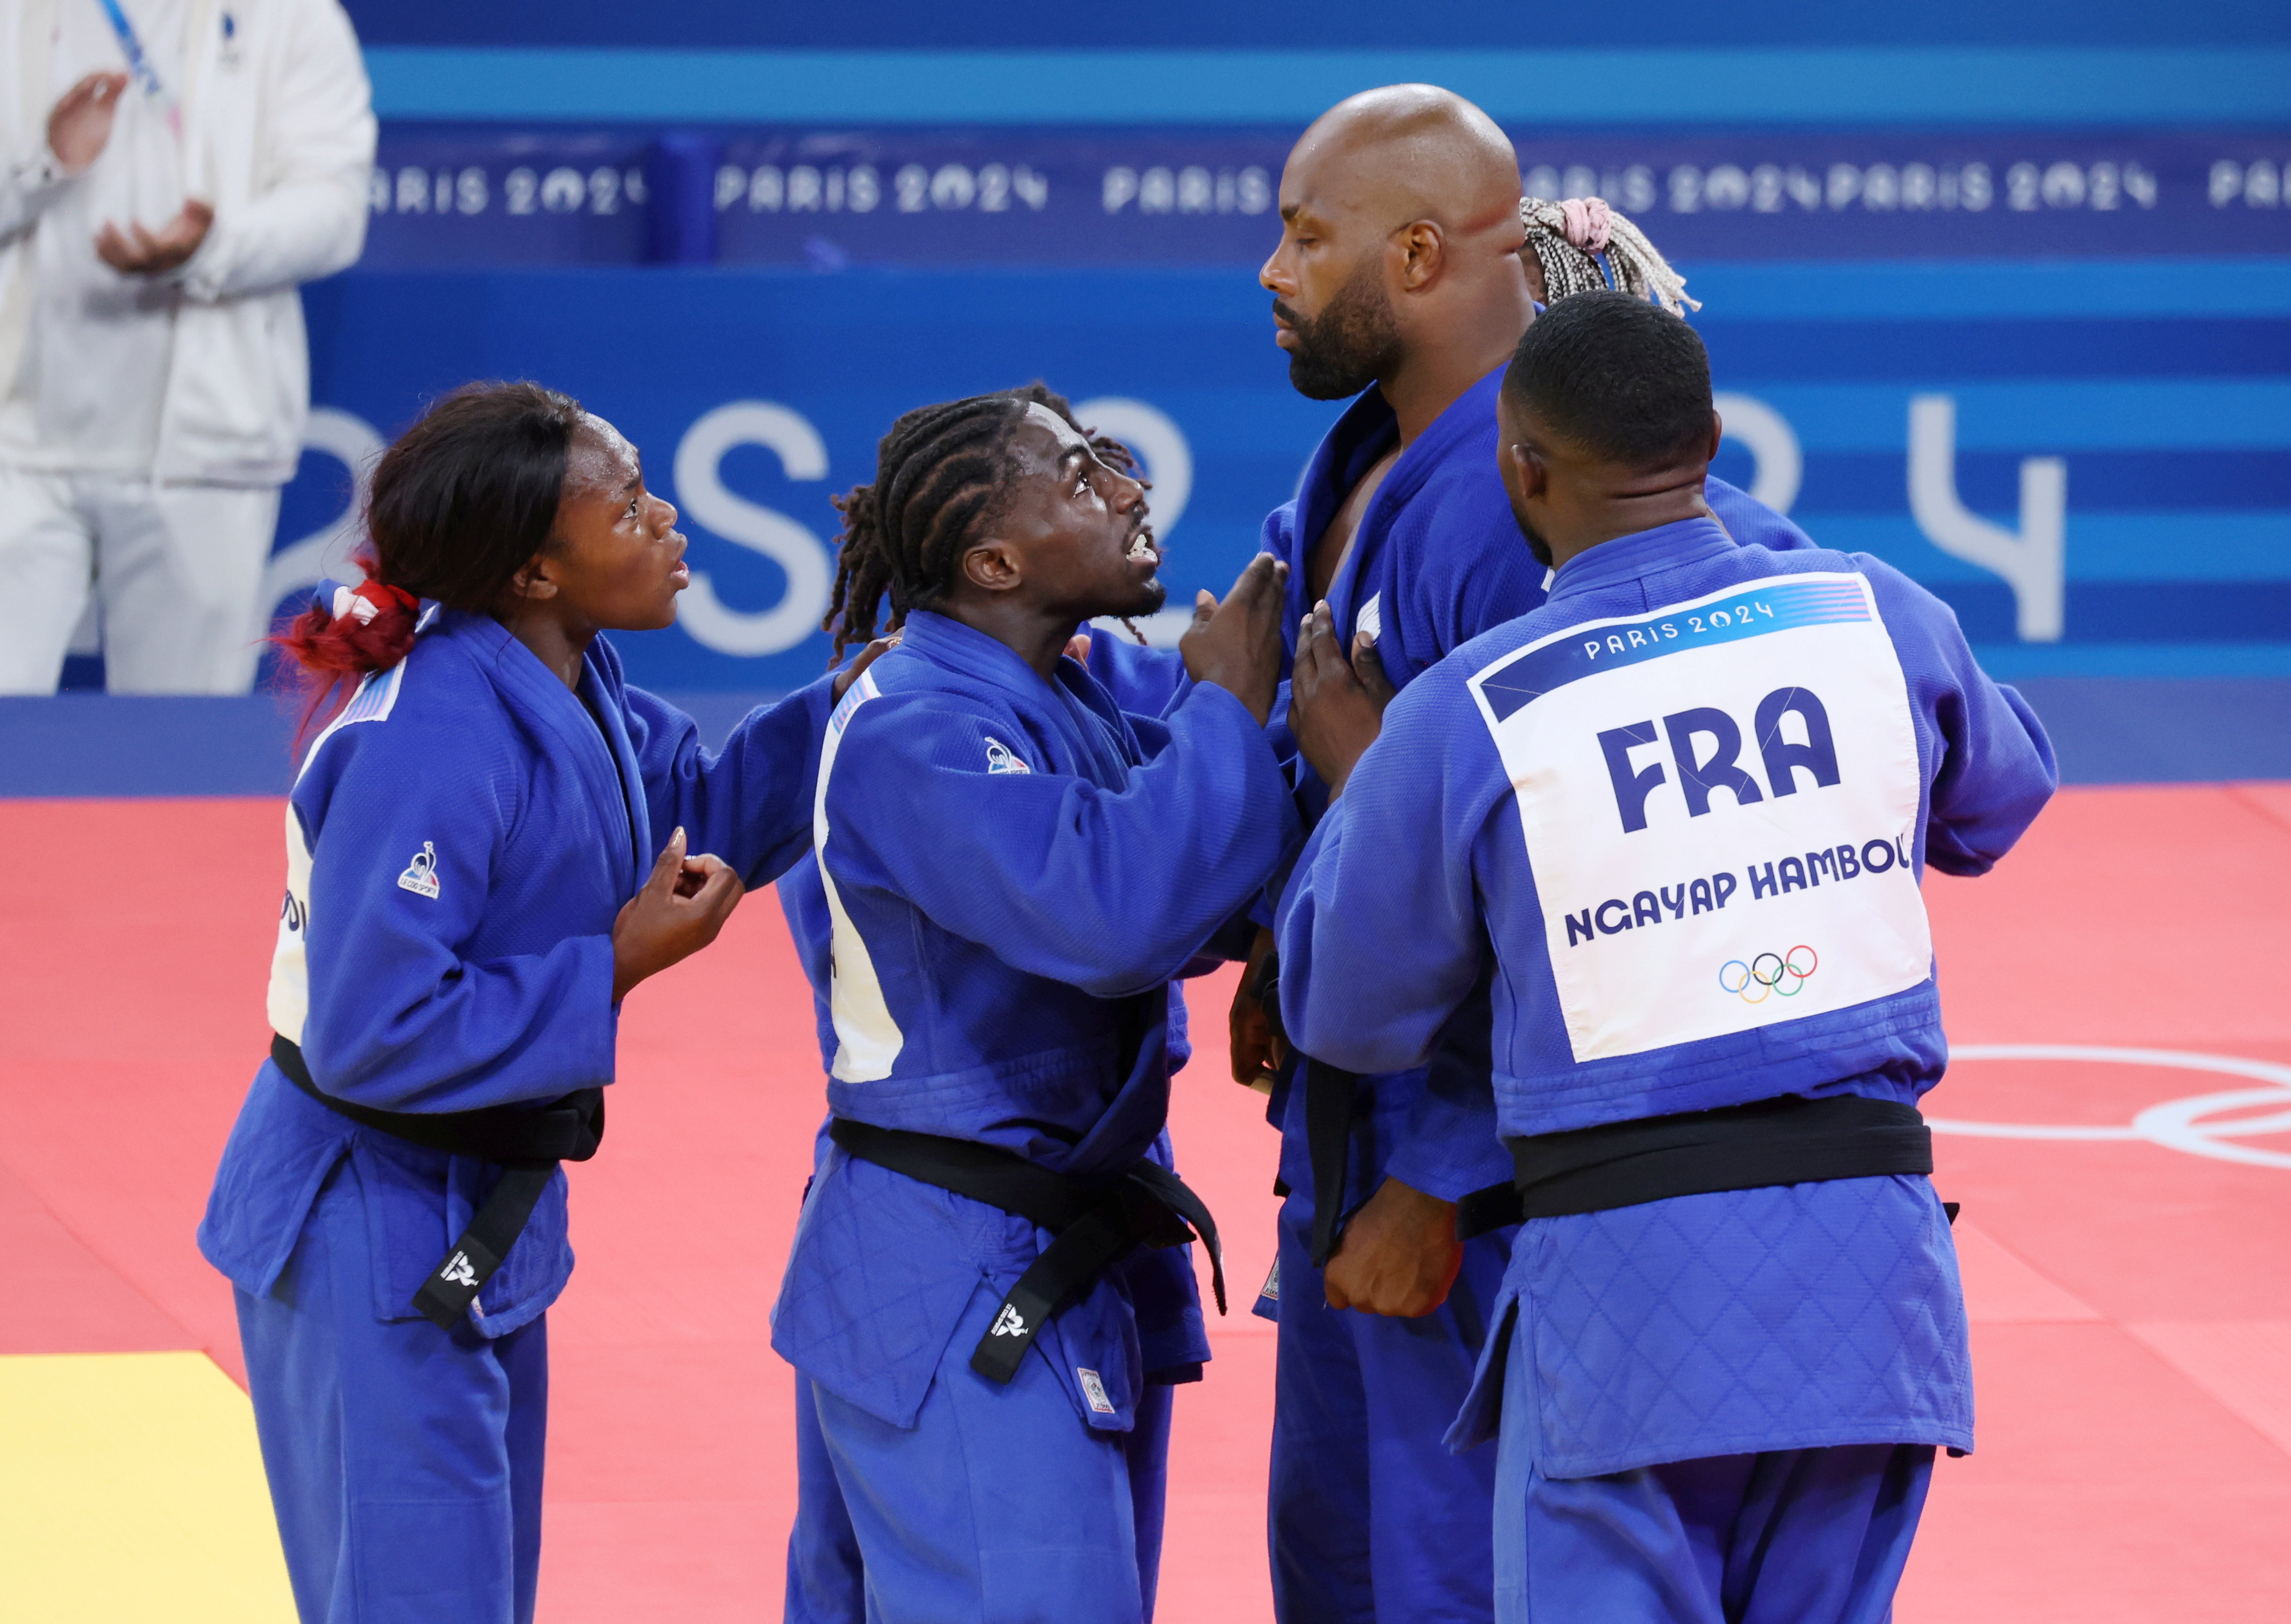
1402	278
984	1346
826	1579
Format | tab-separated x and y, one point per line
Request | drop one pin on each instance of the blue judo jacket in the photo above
1437	560
1013	871
459	843
1676	819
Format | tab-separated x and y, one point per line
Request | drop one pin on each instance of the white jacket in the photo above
278	135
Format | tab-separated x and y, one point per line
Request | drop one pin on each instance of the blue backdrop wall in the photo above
2101	453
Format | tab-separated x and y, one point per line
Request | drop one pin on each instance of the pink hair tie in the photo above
1587	221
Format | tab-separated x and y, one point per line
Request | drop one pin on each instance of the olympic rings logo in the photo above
1770	975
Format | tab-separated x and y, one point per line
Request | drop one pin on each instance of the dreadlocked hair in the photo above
941	474
1569	238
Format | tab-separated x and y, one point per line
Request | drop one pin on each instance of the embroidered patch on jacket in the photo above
421	875
1271	1286
1094	1390
999	758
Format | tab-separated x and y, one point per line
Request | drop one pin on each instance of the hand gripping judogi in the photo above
1013	871
1675	820
1362	1401
389	1205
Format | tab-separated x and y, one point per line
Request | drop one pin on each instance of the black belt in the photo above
1096	1222
1328	1142
1789	1141
528	1142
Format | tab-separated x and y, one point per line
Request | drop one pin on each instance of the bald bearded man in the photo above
1399	279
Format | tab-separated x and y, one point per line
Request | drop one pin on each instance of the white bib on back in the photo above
1719	802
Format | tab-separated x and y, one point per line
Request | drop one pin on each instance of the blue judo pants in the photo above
1802	1536
405	1462
825	1582
999	1503
1370	1517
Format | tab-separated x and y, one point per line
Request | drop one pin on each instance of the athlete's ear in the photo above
1534	473
994	567
1423	252
533	581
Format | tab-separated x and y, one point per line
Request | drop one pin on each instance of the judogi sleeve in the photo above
1447	1144
400	1016
1111	892
1380	931
1995	770
749	803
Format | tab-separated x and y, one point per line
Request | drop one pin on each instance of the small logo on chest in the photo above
421	875
1001	759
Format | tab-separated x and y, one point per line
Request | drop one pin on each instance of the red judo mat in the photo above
2126	1237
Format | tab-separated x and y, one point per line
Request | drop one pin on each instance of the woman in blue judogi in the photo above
1673	820
1012	872
485	850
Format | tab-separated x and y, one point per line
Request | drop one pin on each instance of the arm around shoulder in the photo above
749	803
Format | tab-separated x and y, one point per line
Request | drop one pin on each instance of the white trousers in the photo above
179	569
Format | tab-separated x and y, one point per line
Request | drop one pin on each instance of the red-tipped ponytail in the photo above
368	628
371	631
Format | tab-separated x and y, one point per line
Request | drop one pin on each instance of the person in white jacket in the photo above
170	172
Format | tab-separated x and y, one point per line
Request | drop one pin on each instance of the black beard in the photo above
1146	600
1536	544
1351	343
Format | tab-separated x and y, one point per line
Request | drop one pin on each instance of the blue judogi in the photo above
826	1578
1616	904
1362	1400
994	851
459	843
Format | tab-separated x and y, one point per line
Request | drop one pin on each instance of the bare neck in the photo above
1613	517
1441	364
560	647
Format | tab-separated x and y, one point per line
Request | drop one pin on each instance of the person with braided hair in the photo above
1579	244
486	850
826	1580
989	1295
1403	278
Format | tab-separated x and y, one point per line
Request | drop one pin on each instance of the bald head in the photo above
1402	153
1399	245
